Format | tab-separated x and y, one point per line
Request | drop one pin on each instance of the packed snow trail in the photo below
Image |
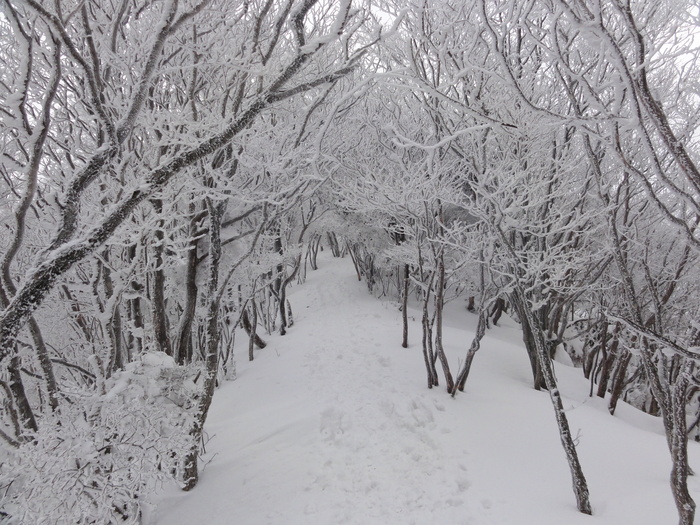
333	424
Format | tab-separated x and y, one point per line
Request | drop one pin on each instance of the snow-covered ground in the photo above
333	423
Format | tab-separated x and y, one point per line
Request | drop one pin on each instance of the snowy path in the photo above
333	424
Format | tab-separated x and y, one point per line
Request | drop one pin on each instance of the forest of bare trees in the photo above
170	168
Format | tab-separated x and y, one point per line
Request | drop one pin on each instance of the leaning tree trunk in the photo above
480	328
580	485
473	349
250	328
42	354
529	340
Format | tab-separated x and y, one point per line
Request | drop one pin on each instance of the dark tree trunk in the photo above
290	314
530	343
24	408
249	329
158	310
253	329
42	354
498	310
134	312
183	342
617	386
211	334
439	304
355	261
284	306
427	341
40	349
580	486
312	252
470	304
280	279
473	349
609	377
333	244
679	448
607	358
114	328
404	305
191	474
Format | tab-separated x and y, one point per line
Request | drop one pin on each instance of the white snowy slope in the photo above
333	424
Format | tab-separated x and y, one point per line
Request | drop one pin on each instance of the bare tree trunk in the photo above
670	397
24	408
355	260
135	315
282	299
579	483
42	354
40	349
312	252
529	340
473	349
279	281
544	361
428	336
158	311
498	310
622	361
211	360
333	244
249	327
215	292
679	447
404	305
607	358
253	329
439	305
290	314
183	342
114	327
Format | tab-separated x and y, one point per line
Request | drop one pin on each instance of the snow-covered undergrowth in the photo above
333	424
107	454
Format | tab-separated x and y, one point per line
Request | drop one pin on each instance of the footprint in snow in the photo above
422	415
334	424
